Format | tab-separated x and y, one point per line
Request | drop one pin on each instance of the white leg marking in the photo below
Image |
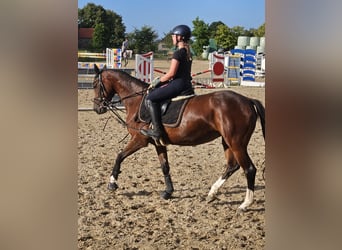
112	179
248	199
216	186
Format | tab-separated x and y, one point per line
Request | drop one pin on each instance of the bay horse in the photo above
224	114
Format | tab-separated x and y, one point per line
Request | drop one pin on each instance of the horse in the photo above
224	114
125	58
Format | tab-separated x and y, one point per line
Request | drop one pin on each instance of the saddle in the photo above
171	109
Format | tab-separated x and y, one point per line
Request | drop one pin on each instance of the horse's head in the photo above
103	91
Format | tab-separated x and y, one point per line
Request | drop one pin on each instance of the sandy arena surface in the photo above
135	217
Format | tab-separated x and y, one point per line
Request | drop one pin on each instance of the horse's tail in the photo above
261	112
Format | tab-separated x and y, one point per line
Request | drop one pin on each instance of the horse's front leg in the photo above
164	163
136	143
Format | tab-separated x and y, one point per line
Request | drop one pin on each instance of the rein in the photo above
111	106
142	92
115	110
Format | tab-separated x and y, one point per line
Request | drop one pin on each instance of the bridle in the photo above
101	100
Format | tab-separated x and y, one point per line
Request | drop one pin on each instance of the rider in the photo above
124	48
175	81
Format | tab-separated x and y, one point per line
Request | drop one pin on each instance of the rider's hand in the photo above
155	82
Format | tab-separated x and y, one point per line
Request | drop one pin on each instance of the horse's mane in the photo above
128	78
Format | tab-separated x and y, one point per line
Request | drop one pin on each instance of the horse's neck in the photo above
131	100
130	93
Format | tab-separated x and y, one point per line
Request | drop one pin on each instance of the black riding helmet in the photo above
183	31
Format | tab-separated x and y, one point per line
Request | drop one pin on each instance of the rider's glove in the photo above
155	82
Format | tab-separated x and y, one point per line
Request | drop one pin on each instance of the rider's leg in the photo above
157	130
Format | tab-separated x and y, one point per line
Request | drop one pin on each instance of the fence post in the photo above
113	58
217	70
144	67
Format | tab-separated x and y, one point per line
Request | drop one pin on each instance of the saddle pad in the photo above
172	116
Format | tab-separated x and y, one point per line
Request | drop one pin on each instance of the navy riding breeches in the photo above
171	90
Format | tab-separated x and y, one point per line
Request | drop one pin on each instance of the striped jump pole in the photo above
201	72
160	71
195	74
91	55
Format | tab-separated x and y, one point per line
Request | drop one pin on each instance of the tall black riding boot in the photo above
157	130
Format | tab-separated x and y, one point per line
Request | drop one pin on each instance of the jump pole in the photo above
159	71
201	72
92	109
85	109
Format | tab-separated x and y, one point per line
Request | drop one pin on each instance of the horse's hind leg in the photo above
246	163
164	163
232	166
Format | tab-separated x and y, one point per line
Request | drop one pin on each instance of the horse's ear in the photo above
96	69
104	67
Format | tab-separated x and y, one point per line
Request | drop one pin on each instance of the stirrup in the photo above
158	140
151	133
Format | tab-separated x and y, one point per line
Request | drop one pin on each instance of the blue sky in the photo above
163	15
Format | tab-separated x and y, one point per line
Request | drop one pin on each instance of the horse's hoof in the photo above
211	198
112	186
242	209
165	195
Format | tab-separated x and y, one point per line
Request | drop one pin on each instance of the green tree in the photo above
143	40
235	32
115	29
90	15
227	37
238	31
109	31
98	36
260	31
223	37
250	32
201	35
213	28
168	40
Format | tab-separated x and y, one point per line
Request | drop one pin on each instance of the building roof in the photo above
85	33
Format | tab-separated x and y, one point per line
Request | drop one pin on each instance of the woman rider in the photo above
175	81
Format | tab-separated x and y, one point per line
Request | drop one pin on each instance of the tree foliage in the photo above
201	34
213	28
109	30
90	15
167	40
143	40
99	34
260	31
115	29
225	36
